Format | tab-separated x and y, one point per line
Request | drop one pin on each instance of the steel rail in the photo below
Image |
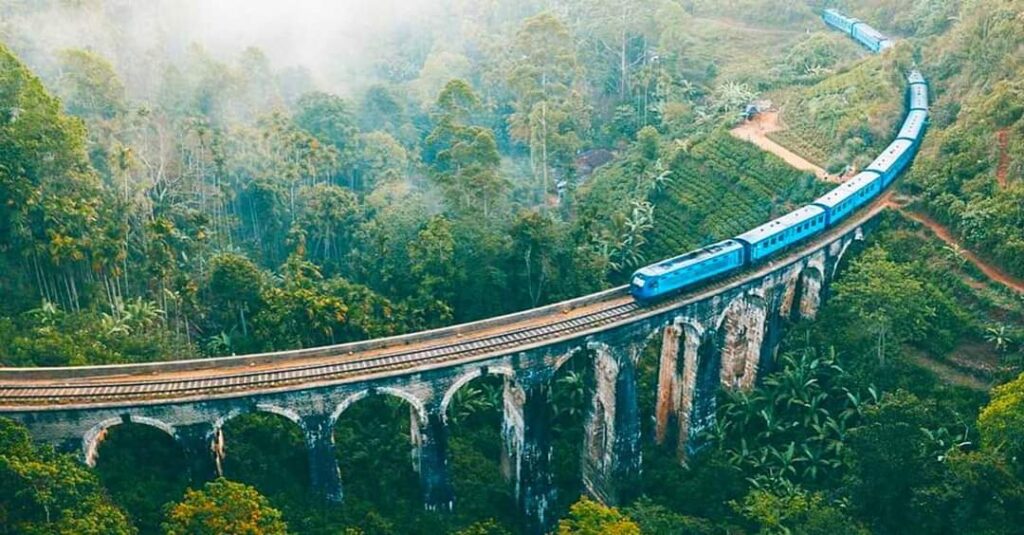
612	310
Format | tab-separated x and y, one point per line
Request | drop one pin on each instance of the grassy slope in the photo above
976	71
845	118
720	188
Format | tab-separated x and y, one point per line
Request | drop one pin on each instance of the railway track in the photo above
331	367
318	372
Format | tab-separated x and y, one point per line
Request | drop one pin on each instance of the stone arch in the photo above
220	442
563	359
284	412
858	236
505	371
810	283
414	402
741	330
95	435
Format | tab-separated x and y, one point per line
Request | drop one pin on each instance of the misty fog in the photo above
333	39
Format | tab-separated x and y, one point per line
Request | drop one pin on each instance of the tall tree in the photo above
89	85
43	492
464	157
51	197
328	118
550	114
222	507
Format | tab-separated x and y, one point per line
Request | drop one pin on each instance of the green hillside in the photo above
845	118
719	188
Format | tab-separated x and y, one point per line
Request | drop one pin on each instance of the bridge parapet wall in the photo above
724	340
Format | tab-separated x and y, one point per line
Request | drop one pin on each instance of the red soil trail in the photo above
756	131
989	270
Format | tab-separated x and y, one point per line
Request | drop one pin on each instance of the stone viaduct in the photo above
720	336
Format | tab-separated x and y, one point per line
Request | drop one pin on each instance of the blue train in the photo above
668	276
862	32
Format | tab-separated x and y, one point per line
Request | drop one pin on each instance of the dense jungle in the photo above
184	180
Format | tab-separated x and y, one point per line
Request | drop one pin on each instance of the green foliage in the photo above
51	197
1001	421
49	336
892	301
772	12
917	18
464	157
143	469
792	429
550	114
233	207
89	86
587	517
224	507
652	518
43	492
958	179
715	188
373	441
814	57
268	452
329	119
844	119
797	512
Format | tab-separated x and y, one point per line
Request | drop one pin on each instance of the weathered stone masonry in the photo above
725	340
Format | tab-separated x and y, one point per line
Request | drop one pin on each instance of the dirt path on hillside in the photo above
989	270
1003	139
756	131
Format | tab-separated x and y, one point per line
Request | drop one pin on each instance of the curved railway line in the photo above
42	389
233	376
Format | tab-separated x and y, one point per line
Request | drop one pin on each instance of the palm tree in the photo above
999	338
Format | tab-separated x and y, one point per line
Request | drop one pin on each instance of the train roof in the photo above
912	126
889	156
846	189
691	257
837	14
775	226
919	96
915	77
870	31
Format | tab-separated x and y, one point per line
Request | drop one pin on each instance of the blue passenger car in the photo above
781	232
838	21
870	37
849	196
891	162
685	270
913	127
919	97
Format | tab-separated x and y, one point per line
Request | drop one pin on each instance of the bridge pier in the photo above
669	383
430	456
612	449
324	474
196	442
701	381
528	452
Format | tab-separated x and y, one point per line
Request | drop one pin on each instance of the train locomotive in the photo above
759	244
